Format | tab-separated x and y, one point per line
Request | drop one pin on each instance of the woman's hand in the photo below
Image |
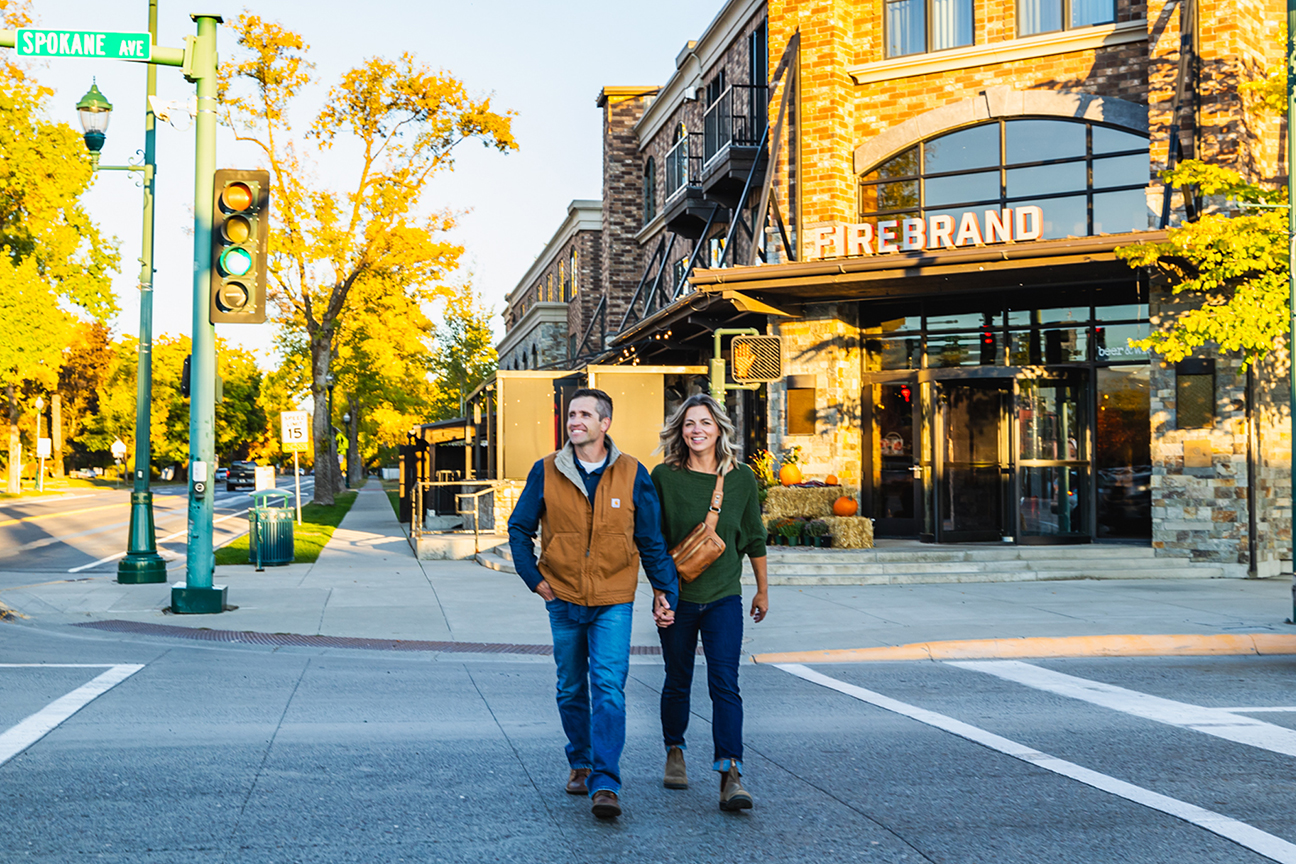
663	614
760	606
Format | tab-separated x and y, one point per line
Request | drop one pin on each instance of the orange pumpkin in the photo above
830	480
844	506
789	475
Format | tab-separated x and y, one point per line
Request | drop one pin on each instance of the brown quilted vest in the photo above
588	554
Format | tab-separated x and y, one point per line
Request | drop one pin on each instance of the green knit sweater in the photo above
685	496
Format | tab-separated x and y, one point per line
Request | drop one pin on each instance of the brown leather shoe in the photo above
675	777
732	794
576	782
606	805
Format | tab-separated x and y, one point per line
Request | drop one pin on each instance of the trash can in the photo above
270	540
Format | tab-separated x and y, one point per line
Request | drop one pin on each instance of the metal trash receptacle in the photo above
270	539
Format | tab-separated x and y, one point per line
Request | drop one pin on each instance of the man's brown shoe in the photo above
606	805
732	794
676	777
576	782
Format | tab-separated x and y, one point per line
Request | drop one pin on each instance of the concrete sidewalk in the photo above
367	583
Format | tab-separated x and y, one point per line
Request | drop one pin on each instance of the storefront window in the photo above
1111	342
898	353
1123	458
1048	346
1085	178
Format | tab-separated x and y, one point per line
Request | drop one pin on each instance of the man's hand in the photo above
760	606
545	592
663	614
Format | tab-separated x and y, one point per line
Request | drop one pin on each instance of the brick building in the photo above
924	199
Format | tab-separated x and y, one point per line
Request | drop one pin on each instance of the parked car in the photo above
240	474
221	474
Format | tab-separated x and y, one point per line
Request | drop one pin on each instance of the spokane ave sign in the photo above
79	43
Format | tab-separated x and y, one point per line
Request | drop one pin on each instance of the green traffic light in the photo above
236	261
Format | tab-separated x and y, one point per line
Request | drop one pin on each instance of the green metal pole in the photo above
1291	263
142	562
199	596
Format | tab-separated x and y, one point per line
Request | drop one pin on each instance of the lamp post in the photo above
346	427
40	451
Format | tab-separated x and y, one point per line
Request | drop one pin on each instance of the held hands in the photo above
546	593
760	606
663	614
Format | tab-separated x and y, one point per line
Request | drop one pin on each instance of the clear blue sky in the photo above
545	61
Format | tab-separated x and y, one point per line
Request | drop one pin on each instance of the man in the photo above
598	512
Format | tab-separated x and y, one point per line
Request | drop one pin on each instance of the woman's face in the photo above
700	430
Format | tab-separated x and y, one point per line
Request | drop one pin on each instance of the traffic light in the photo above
240	225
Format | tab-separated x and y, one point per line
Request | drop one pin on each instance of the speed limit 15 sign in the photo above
294	434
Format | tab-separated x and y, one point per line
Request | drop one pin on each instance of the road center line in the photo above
18	738
1247	836
1211	721
55	515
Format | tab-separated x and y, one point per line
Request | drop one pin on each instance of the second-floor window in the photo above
1046	16
649	191
575	286
919	26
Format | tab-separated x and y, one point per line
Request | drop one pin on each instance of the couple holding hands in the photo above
599	512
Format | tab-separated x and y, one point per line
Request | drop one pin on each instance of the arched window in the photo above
649	190
563	286
1086	178
575	281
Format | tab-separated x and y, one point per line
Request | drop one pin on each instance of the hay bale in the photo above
809	501
850	532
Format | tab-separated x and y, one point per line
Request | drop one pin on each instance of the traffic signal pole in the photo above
199	595
142	563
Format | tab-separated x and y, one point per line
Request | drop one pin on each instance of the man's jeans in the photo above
721	625
592	653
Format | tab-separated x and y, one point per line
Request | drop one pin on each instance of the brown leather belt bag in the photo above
699	550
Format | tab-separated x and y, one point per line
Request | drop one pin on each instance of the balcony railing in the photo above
736	118
683	165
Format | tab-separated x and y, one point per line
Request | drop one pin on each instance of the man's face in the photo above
584	426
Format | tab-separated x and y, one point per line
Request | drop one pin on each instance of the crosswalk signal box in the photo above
240	229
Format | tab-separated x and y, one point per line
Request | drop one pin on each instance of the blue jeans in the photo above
592	653
721	626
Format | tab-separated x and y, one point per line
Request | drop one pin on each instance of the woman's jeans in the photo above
592	653
721	625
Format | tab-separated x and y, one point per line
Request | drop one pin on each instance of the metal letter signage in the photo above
972	228
79	43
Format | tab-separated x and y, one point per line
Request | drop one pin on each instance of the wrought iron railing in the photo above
737	117
683	165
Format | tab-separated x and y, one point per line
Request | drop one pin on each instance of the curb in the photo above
1182	645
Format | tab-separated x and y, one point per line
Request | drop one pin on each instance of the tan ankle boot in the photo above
676	777
732	794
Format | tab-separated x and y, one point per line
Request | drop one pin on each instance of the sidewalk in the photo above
367	583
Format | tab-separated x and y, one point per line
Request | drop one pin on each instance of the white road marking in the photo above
18	738
166	539
1220	722
1284	708
1247	836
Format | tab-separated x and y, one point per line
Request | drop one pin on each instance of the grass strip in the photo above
309	538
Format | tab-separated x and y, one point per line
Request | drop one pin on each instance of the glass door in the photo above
973	465
896	483
1053	484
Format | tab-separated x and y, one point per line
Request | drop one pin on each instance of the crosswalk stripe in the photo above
18	738
1248	836
1210	721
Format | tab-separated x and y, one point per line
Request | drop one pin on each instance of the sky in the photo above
547	62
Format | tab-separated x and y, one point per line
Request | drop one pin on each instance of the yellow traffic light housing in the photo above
241	216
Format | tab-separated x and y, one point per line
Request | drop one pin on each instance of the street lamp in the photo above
95	111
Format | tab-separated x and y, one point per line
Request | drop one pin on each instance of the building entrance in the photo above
970	461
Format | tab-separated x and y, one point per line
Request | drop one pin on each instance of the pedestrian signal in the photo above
240	225
756	358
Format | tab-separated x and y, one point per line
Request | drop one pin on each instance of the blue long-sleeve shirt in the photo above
525	521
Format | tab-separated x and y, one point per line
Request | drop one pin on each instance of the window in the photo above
549	292
1046	16
649	191
918	26
575	284
1195	394
800	405
1093	180
563	285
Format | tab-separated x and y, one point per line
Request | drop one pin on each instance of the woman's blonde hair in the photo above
675	452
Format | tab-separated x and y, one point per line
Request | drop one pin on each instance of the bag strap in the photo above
717	498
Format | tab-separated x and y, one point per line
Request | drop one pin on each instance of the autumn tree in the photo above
404	120
55	264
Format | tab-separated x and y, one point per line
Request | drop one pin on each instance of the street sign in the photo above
264	476
44	448
80	43
293	426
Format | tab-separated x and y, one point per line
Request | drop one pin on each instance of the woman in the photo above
696	445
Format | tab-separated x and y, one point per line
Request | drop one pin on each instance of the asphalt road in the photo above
241	753
82	531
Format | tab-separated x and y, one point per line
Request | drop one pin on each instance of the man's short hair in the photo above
602	401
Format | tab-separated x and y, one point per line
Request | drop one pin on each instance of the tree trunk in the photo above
328	479
56	432
355	462
14	485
